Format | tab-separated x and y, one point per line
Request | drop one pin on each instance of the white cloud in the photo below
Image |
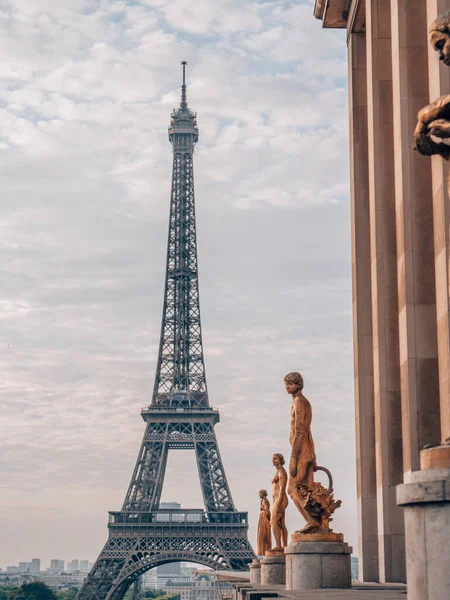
86	90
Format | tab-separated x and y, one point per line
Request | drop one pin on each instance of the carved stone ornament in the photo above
320	502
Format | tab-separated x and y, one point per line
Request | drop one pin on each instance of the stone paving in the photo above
359	591
353	594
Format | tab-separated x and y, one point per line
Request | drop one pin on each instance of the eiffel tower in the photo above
141	535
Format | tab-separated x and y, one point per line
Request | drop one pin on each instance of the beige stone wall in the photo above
400	262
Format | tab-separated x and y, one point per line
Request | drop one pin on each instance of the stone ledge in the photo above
428	475
328	536
273	553
421	492
318	548
359	591
273	560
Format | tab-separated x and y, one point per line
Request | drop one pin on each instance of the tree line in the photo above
36	590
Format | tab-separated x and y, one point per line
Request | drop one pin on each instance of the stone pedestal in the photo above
273	568
255	571
426	500
315	561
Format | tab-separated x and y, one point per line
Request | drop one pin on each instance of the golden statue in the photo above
264	538
314	502
432	131
440	37
280	502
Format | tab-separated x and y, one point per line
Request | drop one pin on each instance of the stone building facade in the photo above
203	587
400	215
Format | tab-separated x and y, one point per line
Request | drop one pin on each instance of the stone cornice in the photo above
331	13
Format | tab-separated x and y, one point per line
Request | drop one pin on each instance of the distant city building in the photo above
163	580
205	588
35	566
184	590
12	569
58	581
24	567
15	578
169	506
148	580
73	566
202	588
187	571
56	565
84	566
177	573
173	568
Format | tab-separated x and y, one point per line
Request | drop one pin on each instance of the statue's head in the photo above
293	382
440	37
278	460
262	494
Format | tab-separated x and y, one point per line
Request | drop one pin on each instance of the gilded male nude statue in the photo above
303	458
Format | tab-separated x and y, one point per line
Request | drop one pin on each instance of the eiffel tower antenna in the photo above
183	104
143	535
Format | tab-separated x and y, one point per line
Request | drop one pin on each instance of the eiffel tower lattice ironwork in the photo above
141	535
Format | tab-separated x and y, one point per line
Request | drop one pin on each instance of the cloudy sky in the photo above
86	91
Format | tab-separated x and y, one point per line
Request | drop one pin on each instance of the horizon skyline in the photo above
91	562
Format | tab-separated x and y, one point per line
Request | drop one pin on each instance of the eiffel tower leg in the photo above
137	589
215	489
101	578
146	484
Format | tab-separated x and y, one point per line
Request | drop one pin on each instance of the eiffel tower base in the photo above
141	541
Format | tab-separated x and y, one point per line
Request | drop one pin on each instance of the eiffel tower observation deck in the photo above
141	535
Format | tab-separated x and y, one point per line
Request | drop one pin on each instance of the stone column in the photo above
415	238
388	433
362	312
255	571
426	500
273	568
439	84
318	560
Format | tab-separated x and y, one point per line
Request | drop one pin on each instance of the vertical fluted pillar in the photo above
362	312
388	429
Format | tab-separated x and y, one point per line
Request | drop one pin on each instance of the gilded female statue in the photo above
280	502
264	534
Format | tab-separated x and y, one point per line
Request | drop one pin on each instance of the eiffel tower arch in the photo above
142	535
